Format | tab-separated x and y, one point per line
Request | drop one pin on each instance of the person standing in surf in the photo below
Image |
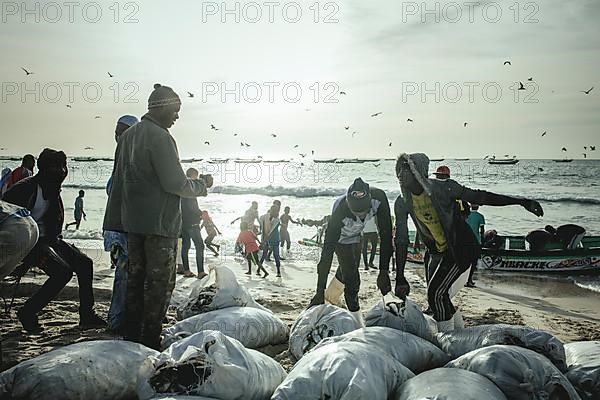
285	219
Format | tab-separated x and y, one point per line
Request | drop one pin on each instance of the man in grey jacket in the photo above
148	183
451	244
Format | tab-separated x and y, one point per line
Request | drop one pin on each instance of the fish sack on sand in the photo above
583	361
100	369
404	315
458	342
449	384
520	373
224	292
251	326
318	323
349	371
210	364
413	352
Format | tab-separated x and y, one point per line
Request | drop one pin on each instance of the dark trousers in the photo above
442	273
373	238
150	283
192	234
59	260
348	256
253	257
274	247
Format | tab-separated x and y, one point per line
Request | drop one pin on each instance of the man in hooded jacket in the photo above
40	194
349	215
451	244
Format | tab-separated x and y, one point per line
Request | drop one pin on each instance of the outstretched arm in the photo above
484	197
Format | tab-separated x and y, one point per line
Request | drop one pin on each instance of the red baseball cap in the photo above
442	170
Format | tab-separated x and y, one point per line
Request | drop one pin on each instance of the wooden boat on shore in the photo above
514	256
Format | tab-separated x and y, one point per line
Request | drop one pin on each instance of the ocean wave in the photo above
300	191
83	234
578	200
89	186
594	286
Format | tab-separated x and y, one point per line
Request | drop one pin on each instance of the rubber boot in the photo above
334	291
458	320
359	318
446	326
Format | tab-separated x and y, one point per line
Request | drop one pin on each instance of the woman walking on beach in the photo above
211	232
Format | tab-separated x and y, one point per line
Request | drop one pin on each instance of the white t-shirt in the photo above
39	209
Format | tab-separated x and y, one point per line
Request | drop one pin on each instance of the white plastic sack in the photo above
449	384
348	371
211	364
458	342
101	369
224	292
459	283
404	315
520	373
318	323
414	353
251	326
583	361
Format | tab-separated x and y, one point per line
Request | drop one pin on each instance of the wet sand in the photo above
558	306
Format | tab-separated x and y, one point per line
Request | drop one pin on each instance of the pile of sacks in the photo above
400	356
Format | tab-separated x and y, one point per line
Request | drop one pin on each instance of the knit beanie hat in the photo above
162	96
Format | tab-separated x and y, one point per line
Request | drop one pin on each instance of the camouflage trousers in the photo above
150	283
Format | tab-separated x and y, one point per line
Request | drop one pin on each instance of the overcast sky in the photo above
440	67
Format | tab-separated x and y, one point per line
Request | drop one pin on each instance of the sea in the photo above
568	192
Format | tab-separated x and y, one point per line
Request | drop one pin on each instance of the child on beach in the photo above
211	232
78	213
248	238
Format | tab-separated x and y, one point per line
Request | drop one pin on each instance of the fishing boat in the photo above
461	159
436	159
515	256
218	161
189	160
373	160
85	159
247	161
505	161
564	160
324	160
348	161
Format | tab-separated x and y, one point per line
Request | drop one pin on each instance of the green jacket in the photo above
148	183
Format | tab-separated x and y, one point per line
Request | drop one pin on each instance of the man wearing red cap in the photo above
442	172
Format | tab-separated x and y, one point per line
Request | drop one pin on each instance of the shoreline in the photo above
539	302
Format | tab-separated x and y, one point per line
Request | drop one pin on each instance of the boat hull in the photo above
566	262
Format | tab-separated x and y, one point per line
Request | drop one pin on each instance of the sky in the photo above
263	68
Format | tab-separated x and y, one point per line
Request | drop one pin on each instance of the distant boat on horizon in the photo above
506	161
564	160
461	159
324	160
436	159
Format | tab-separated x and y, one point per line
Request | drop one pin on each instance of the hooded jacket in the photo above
148	183
24	194
345	228
461	240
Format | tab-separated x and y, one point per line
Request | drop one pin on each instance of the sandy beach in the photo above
558	306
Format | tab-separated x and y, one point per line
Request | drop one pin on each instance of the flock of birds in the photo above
347	127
